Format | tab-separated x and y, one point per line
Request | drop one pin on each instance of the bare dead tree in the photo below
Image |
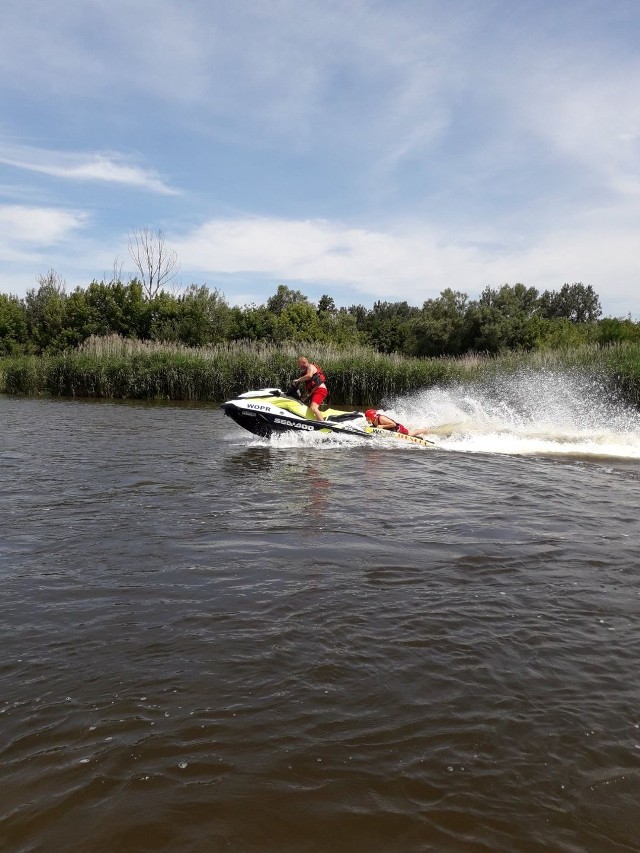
115	275
156	264
116	272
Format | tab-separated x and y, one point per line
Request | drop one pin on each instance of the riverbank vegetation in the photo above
116	367
50	320
119	340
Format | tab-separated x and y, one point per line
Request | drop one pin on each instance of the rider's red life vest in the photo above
316	380
397	428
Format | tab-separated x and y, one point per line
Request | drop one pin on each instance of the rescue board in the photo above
412	439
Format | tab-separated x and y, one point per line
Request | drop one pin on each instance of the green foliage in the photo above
387	326
510	301
614	330
105	309
196	318
116	368
505	318
298	322
442	328
326	303
339	328
24	375
45	314
205	316
254	323
577	302
13	325
561	333
283	298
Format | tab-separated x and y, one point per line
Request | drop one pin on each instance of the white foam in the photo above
541	413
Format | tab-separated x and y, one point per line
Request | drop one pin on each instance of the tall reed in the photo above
121	368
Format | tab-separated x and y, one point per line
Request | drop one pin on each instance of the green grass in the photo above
119	368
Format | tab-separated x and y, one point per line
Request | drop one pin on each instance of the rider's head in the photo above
371	415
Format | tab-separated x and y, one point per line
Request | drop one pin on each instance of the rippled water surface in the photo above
213	643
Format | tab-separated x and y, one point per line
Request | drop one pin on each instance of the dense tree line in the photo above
511	317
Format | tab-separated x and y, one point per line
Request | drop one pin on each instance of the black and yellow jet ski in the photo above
270	411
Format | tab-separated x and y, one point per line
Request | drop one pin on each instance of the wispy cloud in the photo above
26	231
107	168
39	226
309	73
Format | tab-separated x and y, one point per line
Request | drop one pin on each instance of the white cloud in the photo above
417	262
38	226
28	238
414	262
82	167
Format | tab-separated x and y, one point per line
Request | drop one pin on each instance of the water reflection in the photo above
319	491
308	486
252	460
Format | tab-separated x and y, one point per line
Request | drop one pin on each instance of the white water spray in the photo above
537	413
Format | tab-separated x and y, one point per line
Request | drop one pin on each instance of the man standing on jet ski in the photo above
314	381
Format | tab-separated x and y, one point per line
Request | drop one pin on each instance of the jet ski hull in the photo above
269	411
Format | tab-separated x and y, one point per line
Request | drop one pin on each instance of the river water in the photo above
215	643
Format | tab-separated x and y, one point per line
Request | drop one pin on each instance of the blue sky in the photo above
368	149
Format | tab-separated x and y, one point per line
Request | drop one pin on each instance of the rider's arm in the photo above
310	371
385	423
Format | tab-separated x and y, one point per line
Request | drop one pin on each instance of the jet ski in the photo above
270	411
